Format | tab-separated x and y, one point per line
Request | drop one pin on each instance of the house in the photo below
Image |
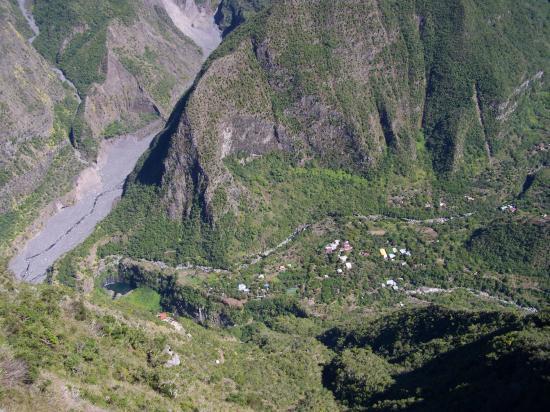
261	276
392	256
242	288
343	258
339	271
469	198
266	286
282	268
347	247
509	208
348	265
383	253
162	316
331	247
391	282
395	287
394	250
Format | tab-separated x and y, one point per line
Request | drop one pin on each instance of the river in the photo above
97	189
100	185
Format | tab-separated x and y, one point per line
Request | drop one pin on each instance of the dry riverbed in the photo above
97	188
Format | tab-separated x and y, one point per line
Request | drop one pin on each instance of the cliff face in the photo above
35	112
130	63
29	90
354	85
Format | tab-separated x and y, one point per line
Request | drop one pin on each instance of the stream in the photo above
36	31
30	19
100	185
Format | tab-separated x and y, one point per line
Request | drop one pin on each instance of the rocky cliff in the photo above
358	86
130	61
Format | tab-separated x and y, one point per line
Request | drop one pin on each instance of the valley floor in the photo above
98	188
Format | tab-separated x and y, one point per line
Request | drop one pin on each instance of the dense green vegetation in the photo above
469	55
113	353
232	13
84	25
114	357
458	320
513	246
434	359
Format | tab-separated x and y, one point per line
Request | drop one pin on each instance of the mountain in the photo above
37	108
346	209
420	101
130	61
352	85
94	71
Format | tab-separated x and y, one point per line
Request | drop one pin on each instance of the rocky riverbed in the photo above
97	188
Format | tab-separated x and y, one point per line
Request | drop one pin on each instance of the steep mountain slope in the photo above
36	111
232	13
415	101
60	350
352	84
130	60
433	359
130	63
321	214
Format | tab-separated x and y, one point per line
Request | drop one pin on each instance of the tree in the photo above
358	374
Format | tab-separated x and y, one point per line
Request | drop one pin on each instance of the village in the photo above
388	259
368	257
342	250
